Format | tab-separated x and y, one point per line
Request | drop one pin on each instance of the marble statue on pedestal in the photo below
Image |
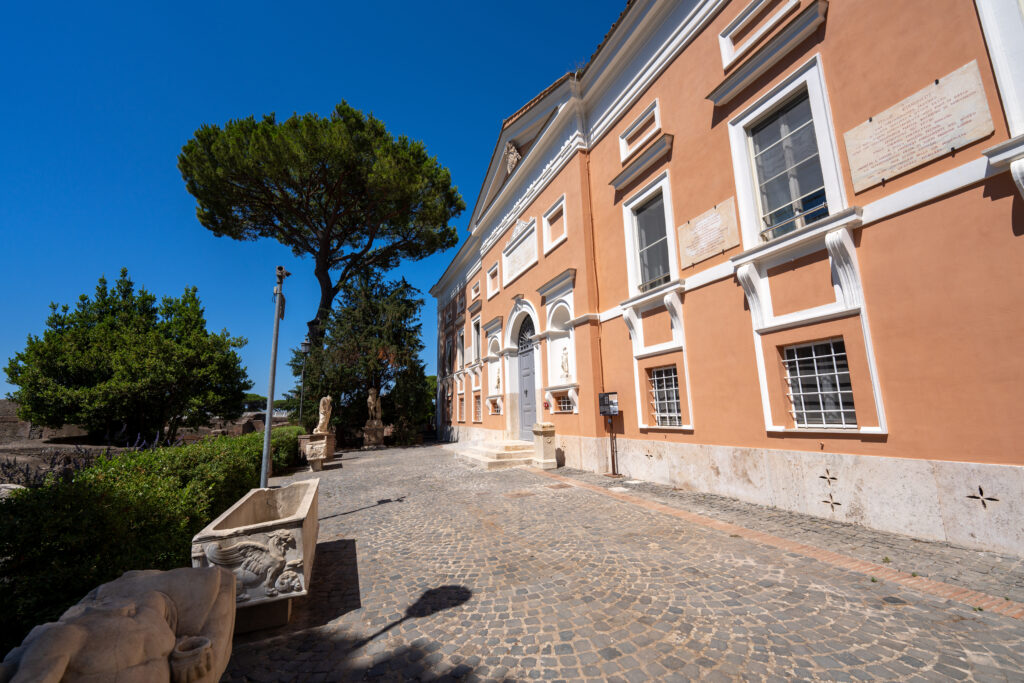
324	425
373	430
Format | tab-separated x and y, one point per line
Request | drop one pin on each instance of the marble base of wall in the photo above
968	504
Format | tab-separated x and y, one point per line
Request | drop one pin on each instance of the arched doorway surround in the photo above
527	379
522	370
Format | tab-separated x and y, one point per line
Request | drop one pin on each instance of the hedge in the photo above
136	510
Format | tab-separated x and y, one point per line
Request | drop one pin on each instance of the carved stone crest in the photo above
512	157
262	569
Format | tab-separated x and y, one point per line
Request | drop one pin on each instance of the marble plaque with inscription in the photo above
708	234
522	255
924	126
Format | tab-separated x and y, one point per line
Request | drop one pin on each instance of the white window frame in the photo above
731	52
550	244
478	407
477	339
475	292
460	349
563	403
795	414
660	184
491	292
652	111
808	77
673	419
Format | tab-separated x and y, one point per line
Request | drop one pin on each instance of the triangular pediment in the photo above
519	135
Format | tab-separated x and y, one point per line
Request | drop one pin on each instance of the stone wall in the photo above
12	429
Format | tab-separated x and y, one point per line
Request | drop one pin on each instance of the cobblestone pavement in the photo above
1001	575
429	569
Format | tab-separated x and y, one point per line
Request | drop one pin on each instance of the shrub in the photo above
135	510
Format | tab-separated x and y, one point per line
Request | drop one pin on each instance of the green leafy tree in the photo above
123	365
340	188
372	339
410	403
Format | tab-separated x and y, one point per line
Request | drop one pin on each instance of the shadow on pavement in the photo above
382	501
431	602
308	648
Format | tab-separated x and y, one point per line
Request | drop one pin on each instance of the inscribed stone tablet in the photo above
708	234
522	255
920	128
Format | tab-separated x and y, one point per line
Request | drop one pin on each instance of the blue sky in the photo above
100	97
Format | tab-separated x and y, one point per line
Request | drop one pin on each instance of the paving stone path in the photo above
428	569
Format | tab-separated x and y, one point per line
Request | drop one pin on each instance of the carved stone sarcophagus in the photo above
267	539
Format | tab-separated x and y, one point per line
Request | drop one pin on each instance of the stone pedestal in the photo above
544	446
373	434
318	449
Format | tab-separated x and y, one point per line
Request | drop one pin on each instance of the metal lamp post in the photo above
304	347
278	314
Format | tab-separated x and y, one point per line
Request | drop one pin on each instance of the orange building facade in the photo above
788	235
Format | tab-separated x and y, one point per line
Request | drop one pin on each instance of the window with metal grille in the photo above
665	397
478	410
652	243
563	403
462	408
525	339
495	407
791	189
818	377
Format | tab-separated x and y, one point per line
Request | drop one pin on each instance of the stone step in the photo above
496	456
511	446
494	463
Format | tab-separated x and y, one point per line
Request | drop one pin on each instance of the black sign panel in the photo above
608	403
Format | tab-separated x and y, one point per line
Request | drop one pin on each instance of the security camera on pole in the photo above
278	315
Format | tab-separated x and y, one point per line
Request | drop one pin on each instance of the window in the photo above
563	403
492	281
645	127
665	397
462	408
785	158
477	344
554	225
818	377
477	408
751	25
652	243
790	185
495	407
460	349
476	290
650	240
